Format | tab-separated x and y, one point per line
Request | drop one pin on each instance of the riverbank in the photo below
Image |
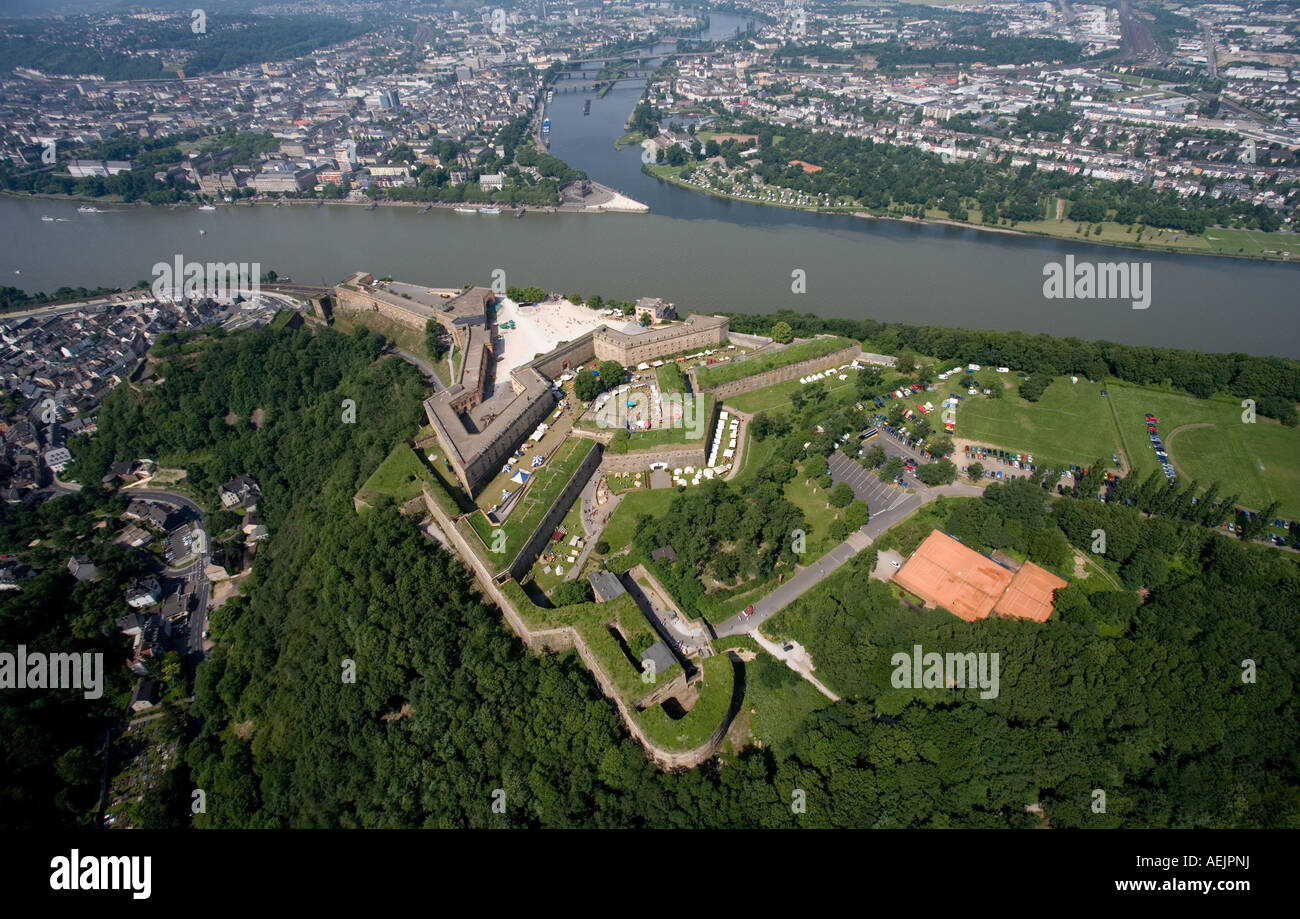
601	200
1250	245
700	252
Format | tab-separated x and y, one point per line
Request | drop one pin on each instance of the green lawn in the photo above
1070	423
697	725
1073	423
542	489
758	453
622	526
777	396
811	499
1260	461
709	377
777	699
401	477
572	524
670	377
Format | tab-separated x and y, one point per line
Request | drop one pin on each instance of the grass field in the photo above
757	454
777	699
400	476
1260	461
802	351
1073	423
1214	241
541	493
1070	423
697	725
670	378
777	396
622	526
811	499
572	524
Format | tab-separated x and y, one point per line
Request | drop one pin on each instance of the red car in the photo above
749	611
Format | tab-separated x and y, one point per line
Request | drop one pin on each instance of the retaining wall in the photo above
562	639
532	547
780	374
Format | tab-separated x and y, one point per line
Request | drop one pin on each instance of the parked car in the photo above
748	611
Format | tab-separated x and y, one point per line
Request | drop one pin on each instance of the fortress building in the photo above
476	431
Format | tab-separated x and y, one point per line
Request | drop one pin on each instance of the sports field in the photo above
1070	423
1260	461
1206	438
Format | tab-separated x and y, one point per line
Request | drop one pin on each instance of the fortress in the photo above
476	430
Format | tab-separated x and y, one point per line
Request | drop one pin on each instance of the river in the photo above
701	253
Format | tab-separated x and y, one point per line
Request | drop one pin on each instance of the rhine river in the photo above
699	252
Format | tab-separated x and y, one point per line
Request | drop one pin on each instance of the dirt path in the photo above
1082	561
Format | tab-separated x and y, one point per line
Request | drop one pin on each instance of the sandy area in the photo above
619	202
540	328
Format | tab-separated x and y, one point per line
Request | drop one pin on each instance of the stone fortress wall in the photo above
476	455
781	374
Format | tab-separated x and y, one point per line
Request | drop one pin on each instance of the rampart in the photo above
781	374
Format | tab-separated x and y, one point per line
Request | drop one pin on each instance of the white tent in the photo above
520	477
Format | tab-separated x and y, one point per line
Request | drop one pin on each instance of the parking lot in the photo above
891	443
880	496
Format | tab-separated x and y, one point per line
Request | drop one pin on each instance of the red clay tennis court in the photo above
945	573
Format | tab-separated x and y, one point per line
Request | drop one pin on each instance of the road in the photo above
891	444
594	520
887	504
420	364
797	664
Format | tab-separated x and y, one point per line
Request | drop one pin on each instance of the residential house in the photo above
82	568
241	490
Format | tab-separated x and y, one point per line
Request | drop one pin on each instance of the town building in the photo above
241	490
82	568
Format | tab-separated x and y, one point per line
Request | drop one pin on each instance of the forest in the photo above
50	760
1143	699
721	533
882	175
78	46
